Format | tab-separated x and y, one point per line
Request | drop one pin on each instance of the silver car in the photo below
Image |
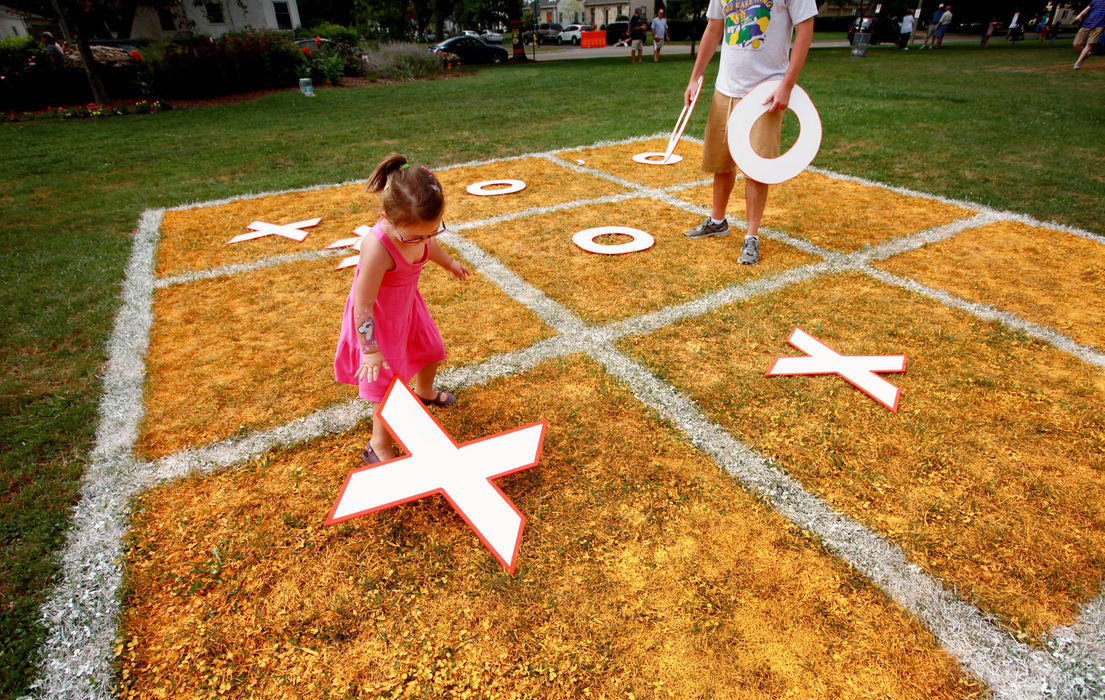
572	34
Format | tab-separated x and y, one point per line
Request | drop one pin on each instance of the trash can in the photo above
860	42
306	87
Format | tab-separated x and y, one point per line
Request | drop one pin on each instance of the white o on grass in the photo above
488	188
585	239
657	158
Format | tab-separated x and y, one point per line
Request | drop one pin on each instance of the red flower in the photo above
135	55
306	51
318	40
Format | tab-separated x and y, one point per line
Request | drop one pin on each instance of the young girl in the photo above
387	330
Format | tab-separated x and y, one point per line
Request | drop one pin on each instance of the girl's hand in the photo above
371	363
459	270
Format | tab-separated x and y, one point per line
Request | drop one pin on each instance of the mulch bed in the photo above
237	97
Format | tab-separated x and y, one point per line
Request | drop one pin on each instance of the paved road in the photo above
574	52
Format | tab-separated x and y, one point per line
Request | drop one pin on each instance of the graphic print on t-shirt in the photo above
746	22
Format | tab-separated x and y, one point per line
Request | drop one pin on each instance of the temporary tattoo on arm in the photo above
366	333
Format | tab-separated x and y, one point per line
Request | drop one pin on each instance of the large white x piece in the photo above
259	229
436	464
858	369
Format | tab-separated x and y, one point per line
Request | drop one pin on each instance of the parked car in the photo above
616	31
470	50
572	34
546	33
491	37
881	29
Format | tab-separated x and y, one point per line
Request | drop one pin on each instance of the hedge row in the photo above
181	68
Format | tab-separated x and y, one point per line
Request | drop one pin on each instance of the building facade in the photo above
214	18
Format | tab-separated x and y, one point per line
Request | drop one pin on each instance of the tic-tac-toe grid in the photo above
688	331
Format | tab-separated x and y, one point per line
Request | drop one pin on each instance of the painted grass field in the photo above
694	528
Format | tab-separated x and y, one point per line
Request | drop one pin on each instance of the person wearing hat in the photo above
930	35
53	52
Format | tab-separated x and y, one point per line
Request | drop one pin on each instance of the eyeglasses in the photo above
418	239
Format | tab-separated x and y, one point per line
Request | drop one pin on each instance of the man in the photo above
659	34
1090	31
943	25
930	35
755	38
905	32
636	36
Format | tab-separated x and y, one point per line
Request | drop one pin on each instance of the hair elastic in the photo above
432	186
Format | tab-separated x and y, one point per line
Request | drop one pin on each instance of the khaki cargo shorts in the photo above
766	135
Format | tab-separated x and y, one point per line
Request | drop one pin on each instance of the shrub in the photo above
30	79
333	32
400	61
235	62
334	40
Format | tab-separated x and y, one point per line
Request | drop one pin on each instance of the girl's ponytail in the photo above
378	180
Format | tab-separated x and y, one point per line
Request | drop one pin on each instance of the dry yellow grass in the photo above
195	239
608	287
1049	277
618	160
547	184
256	350
839	215
643	571
991	475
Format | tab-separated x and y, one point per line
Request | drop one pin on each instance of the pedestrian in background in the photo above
636	36
1090	31
930	35
659	34
990	28
906	32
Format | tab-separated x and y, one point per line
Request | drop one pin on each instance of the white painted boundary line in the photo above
81	615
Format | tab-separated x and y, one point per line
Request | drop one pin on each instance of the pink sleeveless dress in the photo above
405	331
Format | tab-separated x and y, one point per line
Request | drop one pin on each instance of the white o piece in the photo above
657	158
481	189
772	171
585	239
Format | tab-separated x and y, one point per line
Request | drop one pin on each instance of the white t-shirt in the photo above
907	24
755	45
659	27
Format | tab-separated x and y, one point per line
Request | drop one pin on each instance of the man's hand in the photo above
778	100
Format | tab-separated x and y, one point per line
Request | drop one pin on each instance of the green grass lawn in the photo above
1013	128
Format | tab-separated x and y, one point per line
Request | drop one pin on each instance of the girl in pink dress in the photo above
386	330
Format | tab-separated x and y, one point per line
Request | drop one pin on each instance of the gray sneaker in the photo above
708	228
750	251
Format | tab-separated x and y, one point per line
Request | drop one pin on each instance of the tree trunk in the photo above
91	68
